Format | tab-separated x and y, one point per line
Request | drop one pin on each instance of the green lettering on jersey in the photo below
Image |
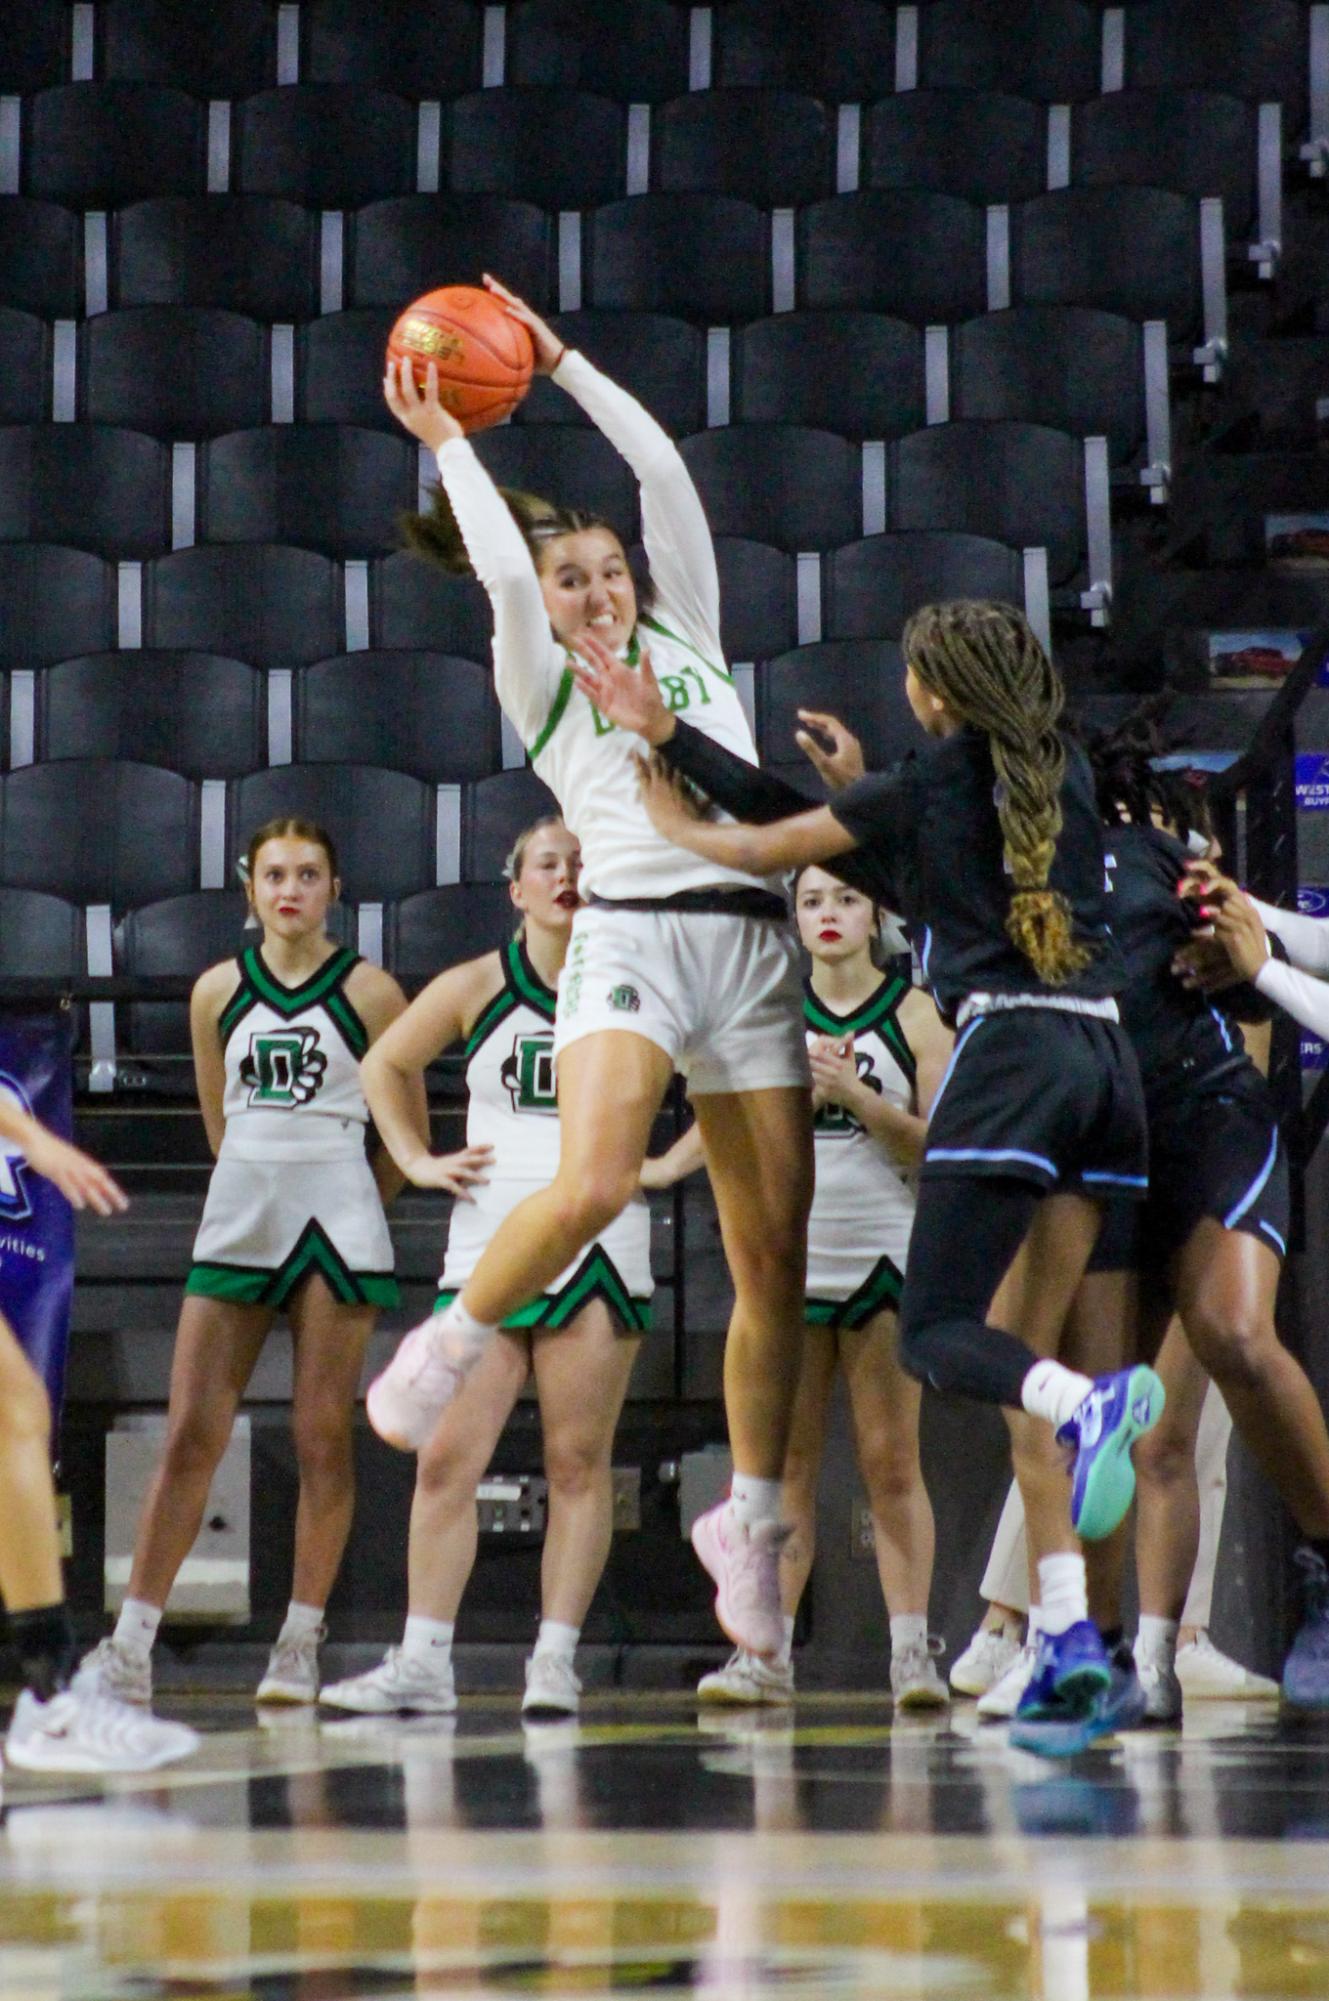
527	1075
284	1067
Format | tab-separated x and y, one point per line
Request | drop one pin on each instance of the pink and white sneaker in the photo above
745	1563
407	1400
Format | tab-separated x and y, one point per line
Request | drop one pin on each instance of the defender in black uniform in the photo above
992	850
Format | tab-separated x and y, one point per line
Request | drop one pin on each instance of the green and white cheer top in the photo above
292	1058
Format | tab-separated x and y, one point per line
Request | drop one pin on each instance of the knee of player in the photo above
589	1203
1164	1458
891	1470
575	1466
195	1441
1233	1343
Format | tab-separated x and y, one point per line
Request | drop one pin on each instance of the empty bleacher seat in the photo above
1016	483
95	145
872	586
41	936
432	714
1256	49
1198	142
771	147
985	146
91	486
1277	392
54	600
635	50
243	253
909	252
397	249
1073	367
439	927
335	145
839	49
1126	250
383	822
433	48
41	257
701	257
662	360
494	811
177	371
25	367
566	463
225	49
859	680
413	603
857	373
196	713
781	483
98	830
339	369
518	143
34	45
274	606
1052	52
329	487
758	598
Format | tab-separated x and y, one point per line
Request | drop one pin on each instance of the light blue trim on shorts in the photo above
1273	1237
1115	1180
990	1153
950	1067
1234	1216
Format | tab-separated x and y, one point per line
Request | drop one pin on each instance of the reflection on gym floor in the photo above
824	1851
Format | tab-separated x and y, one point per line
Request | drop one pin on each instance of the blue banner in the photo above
36	1222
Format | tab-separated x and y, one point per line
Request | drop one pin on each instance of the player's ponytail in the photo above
984	661
436	536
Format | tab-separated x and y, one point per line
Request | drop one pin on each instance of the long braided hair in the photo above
1139	777
983	660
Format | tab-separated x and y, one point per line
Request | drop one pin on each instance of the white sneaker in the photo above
552	1689
400	1684
1205	1672
407	1400
1162	1690
115	1669
983	1662
915	1683
87	1730
745	1563
292	1672
1003	1698
745	1681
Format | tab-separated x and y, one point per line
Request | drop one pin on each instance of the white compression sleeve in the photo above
1304	998
1306	938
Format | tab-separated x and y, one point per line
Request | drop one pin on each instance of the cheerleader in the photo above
293	1222
578	1339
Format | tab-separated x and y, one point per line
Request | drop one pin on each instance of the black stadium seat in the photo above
662	360
34	45
1256	49
226	49
196	713
635	50
1126	250
771	147
329	487
563	462
494	811
1073	367
758	598
1198	142
330	144
245	253
701	257
905	251
838	49
55	601
41	936
274	606
96	145
857	373
516	143
1052	52
339	369
25	367
1017	483
415	604
395	250
91	486
438	927
859	680
985	146
432	714
433	48
872	586
98	830
41	257
383	822
177	371
781	483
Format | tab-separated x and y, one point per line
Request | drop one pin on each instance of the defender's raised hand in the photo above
627	696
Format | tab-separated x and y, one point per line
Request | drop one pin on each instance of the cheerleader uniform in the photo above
292	1191
513	1108
862	1204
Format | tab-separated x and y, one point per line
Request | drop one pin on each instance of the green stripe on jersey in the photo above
654	624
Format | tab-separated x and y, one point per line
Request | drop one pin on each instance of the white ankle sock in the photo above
1156	1640
300	1621
428	1640
752	1500
908	1629
1062	1593
136	1628
462	1338
1054	1392
556	1638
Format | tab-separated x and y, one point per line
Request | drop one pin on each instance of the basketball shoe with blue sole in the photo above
1070	1673
1118	1410
1120	1706
1306	1669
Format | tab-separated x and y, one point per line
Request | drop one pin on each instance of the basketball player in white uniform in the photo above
579	1337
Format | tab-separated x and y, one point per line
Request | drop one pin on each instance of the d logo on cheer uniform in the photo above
284	1066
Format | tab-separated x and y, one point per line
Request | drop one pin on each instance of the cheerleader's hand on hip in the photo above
457	1172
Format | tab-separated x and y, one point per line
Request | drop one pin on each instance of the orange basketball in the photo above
483	357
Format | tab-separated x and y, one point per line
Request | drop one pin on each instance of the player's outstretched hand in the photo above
549	349
83	1181
831	748
457	1172
419	410
672	810
627	696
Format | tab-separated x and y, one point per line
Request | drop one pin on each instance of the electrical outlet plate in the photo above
862	1542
